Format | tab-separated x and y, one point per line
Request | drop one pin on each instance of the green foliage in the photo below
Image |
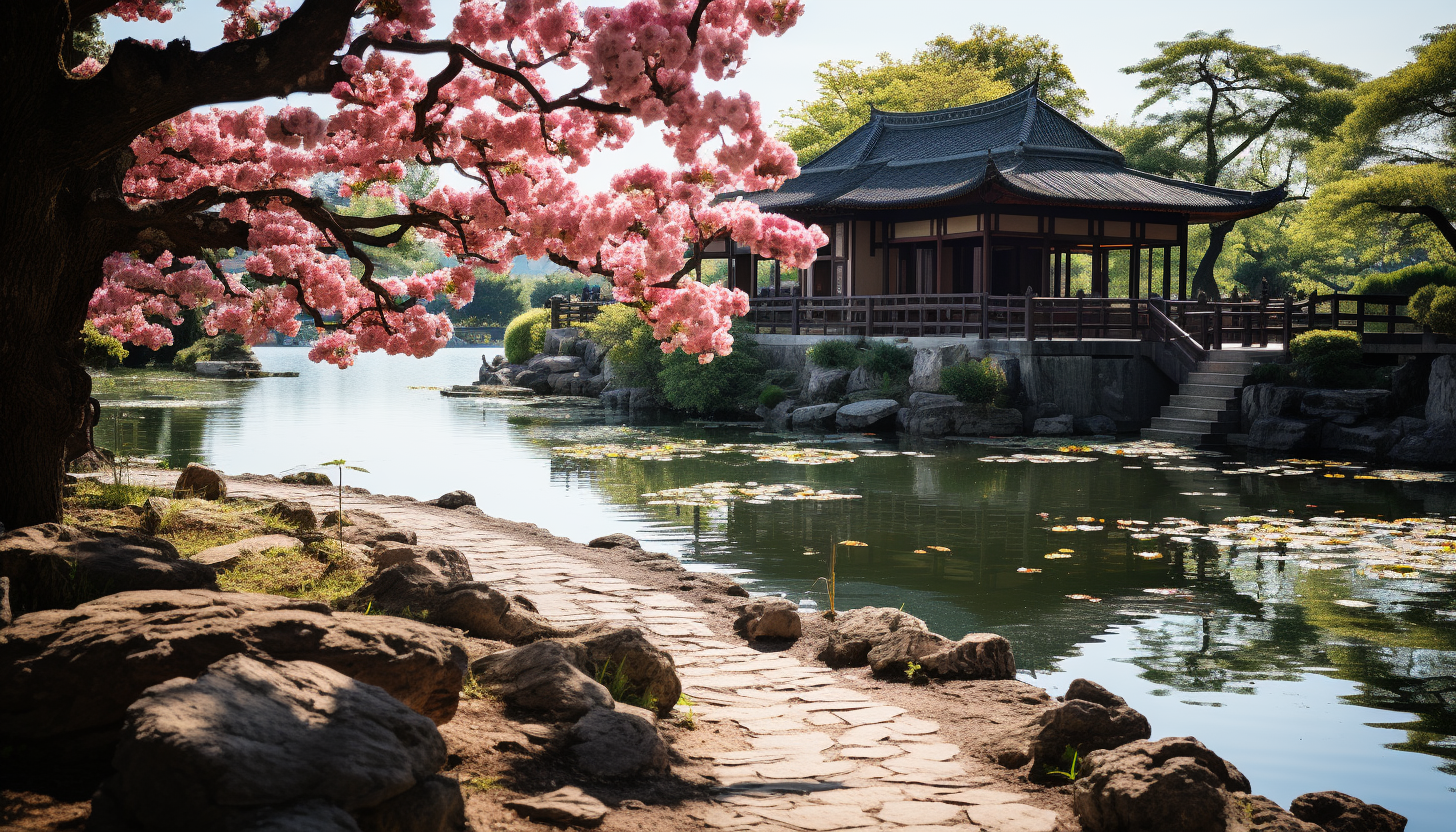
1269	374
615	679
563	283
99	349
974	382
614	326
631	348
1327	357
912	667
688	720
772	396
295	573
726	383
1406	281
520	339
1016	60
1435	307
498	298
92	493
884	358
1071	760
834	355
226	346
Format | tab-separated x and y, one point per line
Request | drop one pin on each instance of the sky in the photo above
1097	39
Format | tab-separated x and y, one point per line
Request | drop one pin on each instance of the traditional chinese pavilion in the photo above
994	197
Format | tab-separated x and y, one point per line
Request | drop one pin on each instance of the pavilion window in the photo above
963	225
919	228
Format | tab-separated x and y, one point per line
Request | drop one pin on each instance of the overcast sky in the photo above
1097	39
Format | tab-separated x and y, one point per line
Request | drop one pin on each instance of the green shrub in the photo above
226	346
1269	374
634	353
772	396
787	379
834	355
974	382
724	384
1407	280
520	341
886	359
1435	307
99	349
566	284
1327	357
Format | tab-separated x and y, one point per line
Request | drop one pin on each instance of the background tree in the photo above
1219	98
497	299
1392	164
122	182
946	73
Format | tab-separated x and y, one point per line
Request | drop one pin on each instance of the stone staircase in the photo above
1205	409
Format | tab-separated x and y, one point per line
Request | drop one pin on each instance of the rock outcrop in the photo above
51	566
620	742
888	640
296	513
866	414
567	806
769	618
1172	783
1091	718
51	661
227	555
200	481
1339	812
252	736
367	528
454	499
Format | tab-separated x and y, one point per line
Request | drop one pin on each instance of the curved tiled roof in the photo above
1016	145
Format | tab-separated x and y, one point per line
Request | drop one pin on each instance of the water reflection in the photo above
1246	649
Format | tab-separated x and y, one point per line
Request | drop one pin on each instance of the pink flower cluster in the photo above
639	62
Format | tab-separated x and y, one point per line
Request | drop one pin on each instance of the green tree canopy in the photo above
946	73
1224	112
1392	164
498	299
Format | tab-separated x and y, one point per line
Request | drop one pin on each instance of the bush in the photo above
1435	307
974	382
1407	280
1269	374
724	384
227	346
521	341
772	396
1327	357
886	359
635	355
834	355
99	349
565	283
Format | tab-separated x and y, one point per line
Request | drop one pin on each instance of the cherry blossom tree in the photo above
122	180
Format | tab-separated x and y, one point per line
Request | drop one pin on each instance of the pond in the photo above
1297	616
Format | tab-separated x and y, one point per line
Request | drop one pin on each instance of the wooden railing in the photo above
567	313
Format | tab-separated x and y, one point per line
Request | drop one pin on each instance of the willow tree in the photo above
121	179
1213	98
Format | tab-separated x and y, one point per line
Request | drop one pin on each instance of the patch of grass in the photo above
483	784
887	359
193	525
95	494
974	382
688	719
473	689
771	396
615	679
294	573
835	355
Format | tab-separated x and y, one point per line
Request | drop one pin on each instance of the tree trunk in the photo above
1203	280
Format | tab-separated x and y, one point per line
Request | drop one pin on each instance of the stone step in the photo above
1199	426
1239	368
1254	354
1207	414
1219	379
1213	391
1204	402
1192	440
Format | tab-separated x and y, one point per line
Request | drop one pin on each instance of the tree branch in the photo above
1434	215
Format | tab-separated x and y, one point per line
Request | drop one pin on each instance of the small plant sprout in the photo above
833	559
341	464
912	667
1071	759
688	720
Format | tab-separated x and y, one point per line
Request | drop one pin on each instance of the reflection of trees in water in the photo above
174	434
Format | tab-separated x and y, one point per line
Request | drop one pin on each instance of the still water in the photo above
1308	676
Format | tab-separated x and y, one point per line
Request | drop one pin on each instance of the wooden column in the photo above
1183	260
1056	274
1134	269
885	254
1167	270
732	264
1097	265
985	284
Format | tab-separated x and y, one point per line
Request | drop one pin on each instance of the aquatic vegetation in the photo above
697	448
831	580
1081	597
716	494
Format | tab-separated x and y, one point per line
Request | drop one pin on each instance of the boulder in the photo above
620	742
576	384
50	661
769	618
861	379
454	499
51	566
893	653
1434	446
714	583
1054	426
296	513
1346	407
561	342
1371	440
545	677
1410	382
1096	425
856	632
91	462
1172	783
6	616
1010	366
550	364
250	733
227	556
1441	400
484	612
1339	812
650	671
617	399
307	478
932	419
593	356
977	656
1090	718
929	361
154	511
1256	813
434	805
200	481
534	380
1273	433
615	541
776	418
567	806
983	420
814	417
825	385
368	529
1259	401
866	414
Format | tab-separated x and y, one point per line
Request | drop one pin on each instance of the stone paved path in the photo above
821	757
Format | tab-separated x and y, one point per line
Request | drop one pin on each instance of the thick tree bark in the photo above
1431	213
1203	280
